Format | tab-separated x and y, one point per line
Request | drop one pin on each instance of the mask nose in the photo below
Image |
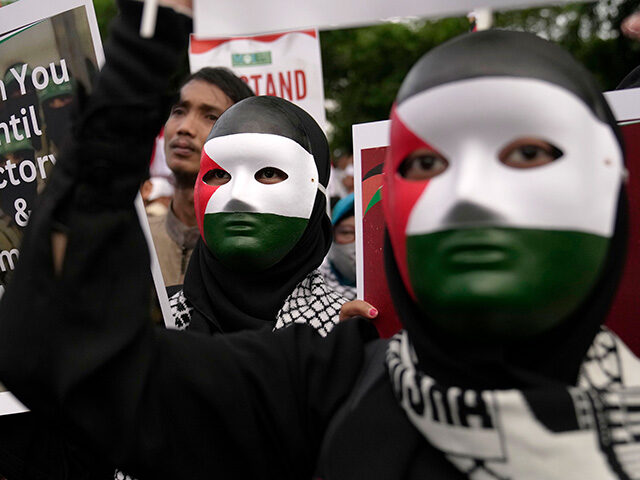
240	195
467	213
237	205
474	196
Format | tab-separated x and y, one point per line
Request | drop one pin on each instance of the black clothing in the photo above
632	80
129	100
31	448
267	395
228	300
370	418
161	403
179	405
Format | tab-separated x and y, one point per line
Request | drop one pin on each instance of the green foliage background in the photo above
363	67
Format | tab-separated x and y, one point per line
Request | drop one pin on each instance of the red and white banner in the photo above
285	65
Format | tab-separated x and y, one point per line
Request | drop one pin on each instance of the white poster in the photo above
244	17
47	50
625	104
285	65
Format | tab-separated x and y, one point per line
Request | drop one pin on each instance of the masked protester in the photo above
520	383
507	231
57	104
19	101
260	207
339	267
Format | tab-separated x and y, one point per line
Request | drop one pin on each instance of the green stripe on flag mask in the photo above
505	203
254	197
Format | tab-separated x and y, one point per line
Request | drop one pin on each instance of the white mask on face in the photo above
242	155
577	192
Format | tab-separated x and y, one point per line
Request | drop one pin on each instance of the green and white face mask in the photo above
253	197
503	203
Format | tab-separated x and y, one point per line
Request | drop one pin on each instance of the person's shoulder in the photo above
158	228
156	221
348	337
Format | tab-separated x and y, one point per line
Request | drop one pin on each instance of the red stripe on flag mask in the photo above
399	196
203	191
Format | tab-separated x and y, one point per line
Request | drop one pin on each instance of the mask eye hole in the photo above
529	153
422	164
216	177
270	175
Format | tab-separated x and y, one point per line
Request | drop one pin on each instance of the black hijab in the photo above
226	300
555	356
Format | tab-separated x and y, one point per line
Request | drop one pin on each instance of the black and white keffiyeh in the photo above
591	430
180	310
312	301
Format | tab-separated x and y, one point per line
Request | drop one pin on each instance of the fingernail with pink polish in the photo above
373	312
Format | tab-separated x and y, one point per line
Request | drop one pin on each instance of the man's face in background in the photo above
189	124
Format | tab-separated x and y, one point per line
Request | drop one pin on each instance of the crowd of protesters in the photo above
505	241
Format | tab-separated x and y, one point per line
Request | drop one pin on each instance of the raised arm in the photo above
99	173
76	343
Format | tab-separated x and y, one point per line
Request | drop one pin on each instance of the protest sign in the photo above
285	64
370	141
47	51
258	16
626	306
45	56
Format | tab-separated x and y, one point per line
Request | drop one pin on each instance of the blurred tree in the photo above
363	67
590	31
105	11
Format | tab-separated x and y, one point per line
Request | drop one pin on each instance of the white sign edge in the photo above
365	135
10	405
225	23
625	104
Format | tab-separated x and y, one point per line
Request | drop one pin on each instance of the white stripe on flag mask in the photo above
577	192
490	154
255	193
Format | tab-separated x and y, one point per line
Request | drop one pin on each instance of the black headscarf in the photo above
228	300
555	356
632	80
